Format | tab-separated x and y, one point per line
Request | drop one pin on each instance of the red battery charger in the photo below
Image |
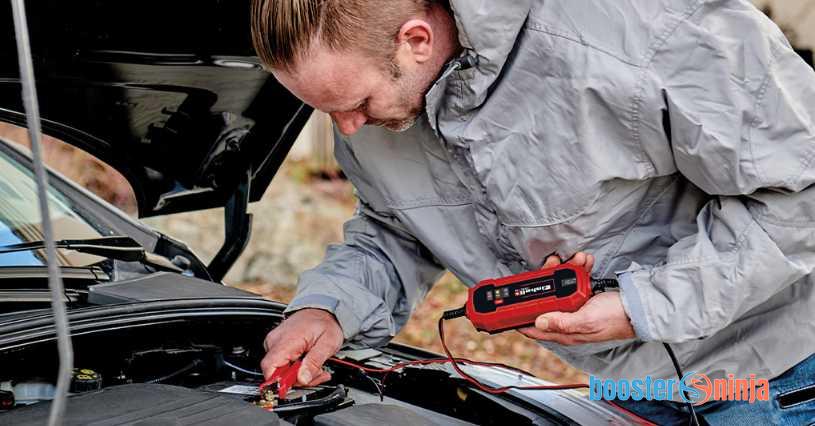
500	304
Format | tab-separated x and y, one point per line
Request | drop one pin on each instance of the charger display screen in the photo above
491	297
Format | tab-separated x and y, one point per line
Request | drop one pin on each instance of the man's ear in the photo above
417	35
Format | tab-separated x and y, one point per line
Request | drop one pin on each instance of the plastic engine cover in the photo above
145	405
383	414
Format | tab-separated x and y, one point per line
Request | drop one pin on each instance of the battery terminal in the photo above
278	385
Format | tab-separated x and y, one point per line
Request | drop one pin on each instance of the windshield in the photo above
20	219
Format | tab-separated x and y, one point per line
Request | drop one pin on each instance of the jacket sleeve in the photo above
372	281
741	110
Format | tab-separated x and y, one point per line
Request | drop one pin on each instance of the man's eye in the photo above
363	106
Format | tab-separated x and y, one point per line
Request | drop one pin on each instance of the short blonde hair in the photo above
283	30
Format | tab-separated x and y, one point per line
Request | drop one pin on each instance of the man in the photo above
672	141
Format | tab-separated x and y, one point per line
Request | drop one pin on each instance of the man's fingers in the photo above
533	333
269	361
551	262
312	366
528	332
313	334
276	358
579	259
281	352
269	364
582	259
285	351
323	377
563	339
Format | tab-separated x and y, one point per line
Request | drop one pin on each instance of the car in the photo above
171	95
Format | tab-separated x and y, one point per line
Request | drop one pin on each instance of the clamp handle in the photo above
285	377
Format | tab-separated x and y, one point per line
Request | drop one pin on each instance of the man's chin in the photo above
397	126
401	126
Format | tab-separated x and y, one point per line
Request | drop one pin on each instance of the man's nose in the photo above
349	123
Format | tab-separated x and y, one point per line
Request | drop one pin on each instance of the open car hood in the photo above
169	93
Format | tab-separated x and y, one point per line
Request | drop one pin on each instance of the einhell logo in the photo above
695	388
529	290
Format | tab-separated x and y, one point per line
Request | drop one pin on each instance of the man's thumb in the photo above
556	322
313	361
304	375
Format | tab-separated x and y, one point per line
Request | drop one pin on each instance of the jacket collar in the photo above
487	30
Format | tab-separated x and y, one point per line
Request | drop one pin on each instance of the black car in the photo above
171	95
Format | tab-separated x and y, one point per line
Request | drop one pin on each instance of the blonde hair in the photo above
283	30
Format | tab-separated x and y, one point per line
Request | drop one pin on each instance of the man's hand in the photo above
602	318
313	332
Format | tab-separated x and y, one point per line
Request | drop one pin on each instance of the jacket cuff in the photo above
634	307
349	323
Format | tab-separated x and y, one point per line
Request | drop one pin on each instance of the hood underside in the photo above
169	93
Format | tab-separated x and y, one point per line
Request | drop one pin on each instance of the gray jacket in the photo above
672	139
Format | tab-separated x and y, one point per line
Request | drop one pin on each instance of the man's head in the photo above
361	61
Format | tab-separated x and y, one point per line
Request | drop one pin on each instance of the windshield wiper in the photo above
116	247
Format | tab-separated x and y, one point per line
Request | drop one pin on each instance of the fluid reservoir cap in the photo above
6	400
84	380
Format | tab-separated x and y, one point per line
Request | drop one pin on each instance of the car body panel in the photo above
168	93
36	328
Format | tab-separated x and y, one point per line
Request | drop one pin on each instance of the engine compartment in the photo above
213	361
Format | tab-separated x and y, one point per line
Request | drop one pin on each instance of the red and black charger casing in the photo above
515	301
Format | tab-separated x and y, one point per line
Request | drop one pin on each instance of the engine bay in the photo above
205	371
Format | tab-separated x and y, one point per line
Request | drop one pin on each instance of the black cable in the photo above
191	366
377	384
694	419
600	285
242	370
475	382
336	396
454	313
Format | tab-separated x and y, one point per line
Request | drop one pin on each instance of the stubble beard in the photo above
409	87
400	126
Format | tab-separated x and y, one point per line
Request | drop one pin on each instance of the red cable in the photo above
639	420
455	363
426	362
398	366
501	389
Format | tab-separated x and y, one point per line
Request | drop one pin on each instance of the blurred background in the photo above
304	209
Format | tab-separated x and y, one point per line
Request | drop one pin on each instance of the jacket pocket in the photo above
796	397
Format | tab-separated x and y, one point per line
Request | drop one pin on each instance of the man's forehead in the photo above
327	81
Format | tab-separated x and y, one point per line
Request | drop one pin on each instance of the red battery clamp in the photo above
500	304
